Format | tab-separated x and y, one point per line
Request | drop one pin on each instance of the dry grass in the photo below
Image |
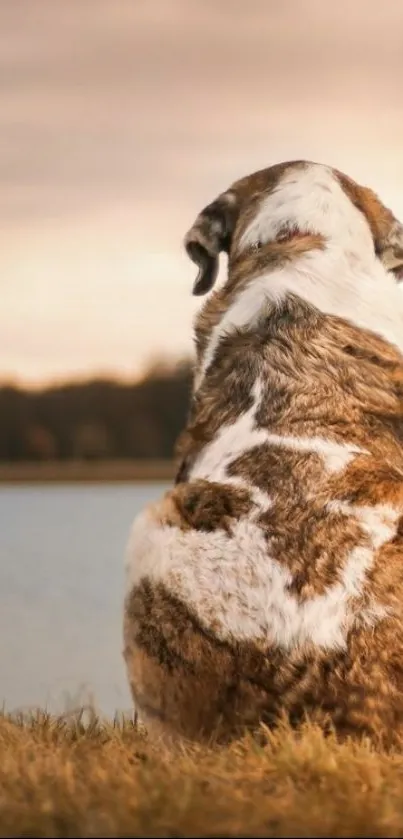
68	777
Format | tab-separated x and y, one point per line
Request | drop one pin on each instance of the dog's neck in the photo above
335	280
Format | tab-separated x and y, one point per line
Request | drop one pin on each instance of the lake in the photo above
61	591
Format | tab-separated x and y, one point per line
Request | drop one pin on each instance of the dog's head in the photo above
289	209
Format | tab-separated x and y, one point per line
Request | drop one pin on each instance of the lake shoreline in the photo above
110	471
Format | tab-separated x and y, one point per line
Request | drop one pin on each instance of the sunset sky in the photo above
120	120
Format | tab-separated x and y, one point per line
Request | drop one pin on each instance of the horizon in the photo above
150	370
121	122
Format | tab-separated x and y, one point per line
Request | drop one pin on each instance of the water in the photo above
61	589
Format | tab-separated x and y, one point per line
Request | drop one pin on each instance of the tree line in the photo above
97	419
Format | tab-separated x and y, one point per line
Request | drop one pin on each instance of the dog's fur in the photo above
269	580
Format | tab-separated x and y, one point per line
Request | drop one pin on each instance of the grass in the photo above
74	776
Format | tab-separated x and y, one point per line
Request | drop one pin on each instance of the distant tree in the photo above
40	443
91	441
97	419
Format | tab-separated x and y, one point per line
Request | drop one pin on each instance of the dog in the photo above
268	581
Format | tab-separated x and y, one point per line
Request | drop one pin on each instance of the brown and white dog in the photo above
269	580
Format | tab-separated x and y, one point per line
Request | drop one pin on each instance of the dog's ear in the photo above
391	250
210	234
387	232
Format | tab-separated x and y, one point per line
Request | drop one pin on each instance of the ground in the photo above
71	776
87	471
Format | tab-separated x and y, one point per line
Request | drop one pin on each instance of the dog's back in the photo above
269	580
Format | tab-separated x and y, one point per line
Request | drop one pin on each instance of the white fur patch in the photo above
336	456
231	442
312	199
345	279
236	588
378	521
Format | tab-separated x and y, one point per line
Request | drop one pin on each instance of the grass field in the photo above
72	777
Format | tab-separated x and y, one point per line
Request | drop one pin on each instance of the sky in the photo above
121	119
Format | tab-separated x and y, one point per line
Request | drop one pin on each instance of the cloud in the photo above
129	101
119	120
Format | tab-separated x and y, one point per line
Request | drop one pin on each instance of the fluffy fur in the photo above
269	580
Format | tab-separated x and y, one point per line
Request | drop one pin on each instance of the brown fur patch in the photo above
205	505
201	689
